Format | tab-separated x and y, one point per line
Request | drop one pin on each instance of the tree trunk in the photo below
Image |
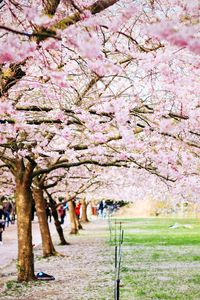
84	217
56	220
78	223
58	225
40	205
23	178
72	216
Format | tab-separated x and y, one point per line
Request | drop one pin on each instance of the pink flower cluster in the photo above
14	50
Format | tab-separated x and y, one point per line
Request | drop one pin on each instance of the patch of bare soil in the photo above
144	208
85	272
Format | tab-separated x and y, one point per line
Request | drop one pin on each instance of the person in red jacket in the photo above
78	210
61	213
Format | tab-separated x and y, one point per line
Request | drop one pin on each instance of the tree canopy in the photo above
102	83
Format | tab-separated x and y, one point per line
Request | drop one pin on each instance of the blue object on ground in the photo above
44	276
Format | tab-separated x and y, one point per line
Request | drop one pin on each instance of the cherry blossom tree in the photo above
98	83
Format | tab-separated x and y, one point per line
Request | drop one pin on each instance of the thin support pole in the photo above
117	289
115	232
115	257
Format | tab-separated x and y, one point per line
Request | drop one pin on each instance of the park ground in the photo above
82	272
160	260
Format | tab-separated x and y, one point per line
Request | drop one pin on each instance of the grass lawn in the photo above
160	262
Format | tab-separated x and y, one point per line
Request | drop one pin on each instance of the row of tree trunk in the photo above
24	199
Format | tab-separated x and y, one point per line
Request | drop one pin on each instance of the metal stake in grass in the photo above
116	272
120	232
115	232
118	258
117	289
115	258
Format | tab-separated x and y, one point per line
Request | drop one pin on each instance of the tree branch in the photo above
39	35
76	164
50	6
95	8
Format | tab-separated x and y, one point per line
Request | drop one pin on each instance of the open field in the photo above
159	261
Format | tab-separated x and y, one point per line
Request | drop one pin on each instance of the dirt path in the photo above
85	272
8	251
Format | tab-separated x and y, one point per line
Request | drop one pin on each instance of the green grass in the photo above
16	289
159	262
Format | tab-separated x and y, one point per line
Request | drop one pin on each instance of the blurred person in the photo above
2	224
61	213
48	212
13	213
78	209
101	209
7	210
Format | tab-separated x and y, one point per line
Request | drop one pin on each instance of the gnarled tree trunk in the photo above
56	220
40	205
84	217
23	178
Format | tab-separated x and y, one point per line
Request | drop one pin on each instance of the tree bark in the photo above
16	73
59	229
72	216
50	6
95	8
40	205
23	178
56	220
78	223
84	217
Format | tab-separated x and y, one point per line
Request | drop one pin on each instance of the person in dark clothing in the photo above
13	214
2	224
7	209
48	212
101	208
2	228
